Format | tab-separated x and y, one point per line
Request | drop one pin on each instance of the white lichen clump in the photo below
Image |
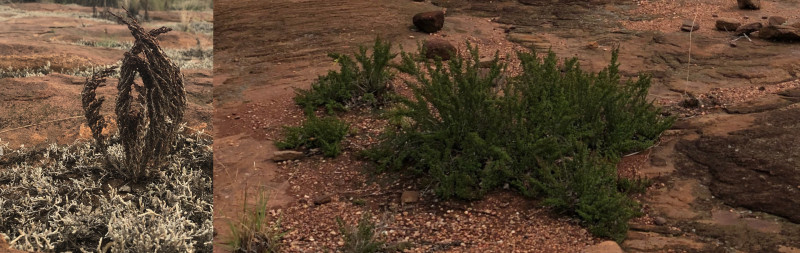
70	198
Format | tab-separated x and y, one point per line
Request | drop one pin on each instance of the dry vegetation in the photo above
146	188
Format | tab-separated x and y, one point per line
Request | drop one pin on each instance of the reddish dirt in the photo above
43	109
265	51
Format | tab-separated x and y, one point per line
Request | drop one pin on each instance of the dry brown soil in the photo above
712	197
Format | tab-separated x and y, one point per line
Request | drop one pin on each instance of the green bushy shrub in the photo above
363	81
585	186
552	131
446	127
323	133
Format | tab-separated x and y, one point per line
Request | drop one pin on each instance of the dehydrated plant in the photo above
92	105
361	238
61	199
255	232
148	115
364	237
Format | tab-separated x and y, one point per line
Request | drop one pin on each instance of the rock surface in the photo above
780	32
776	20
429	22
754	168
689	26
727	24
286	155
749	28
604	247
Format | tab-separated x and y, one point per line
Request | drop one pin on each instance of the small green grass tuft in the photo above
323	133
255	232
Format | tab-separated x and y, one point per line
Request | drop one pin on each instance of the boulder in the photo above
776	20
749	4
439	47
429	22
286	155
749	28
780	32
604	247
727	24
689	25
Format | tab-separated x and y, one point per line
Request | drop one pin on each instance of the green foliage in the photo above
469	134
631	186
254	232
363	81
585	186
323	133
362	238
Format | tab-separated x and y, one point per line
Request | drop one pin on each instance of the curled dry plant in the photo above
148	115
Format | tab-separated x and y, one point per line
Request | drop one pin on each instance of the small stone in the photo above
604	247
324	199
689	26
658	161
749	28
439	48
749	4
286	155
659	221
593	45
125	188
776	20
727	24
409	197
691	102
